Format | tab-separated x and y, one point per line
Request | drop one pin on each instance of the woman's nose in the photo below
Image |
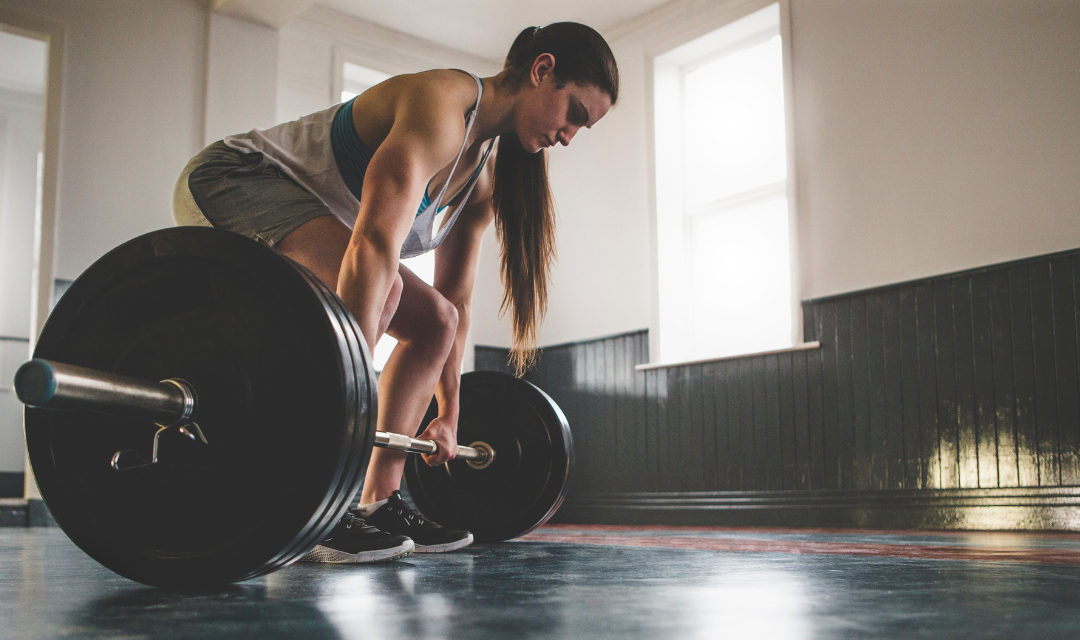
566	135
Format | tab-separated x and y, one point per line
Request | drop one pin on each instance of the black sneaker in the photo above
354	541
396	517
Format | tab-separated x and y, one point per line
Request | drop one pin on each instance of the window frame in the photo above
672	219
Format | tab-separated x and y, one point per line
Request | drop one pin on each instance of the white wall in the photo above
241	77
930	136
313	48
933	136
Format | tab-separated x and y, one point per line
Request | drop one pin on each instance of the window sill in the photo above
799	347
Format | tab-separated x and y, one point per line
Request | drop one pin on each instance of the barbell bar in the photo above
172	402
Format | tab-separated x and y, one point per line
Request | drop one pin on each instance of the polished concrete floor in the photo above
585	582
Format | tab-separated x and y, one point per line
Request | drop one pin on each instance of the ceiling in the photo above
487	27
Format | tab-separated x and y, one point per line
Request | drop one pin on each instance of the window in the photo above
722	209
356	79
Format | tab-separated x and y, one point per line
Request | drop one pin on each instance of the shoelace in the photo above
410	515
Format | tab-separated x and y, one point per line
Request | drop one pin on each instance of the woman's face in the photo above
549	114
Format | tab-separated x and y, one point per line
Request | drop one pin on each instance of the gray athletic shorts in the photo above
242	192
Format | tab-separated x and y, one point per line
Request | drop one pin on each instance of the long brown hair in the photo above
524	208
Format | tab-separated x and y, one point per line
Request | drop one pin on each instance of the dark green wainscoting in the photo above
950	402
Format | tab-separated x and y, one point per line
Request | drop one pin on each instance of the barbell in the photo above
201	410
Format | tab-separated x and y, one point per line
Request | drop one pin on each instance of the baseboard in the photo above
963	509
11	484
17	512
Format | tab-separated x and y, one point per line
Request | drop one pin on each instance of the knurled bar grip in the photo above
399	442
55	385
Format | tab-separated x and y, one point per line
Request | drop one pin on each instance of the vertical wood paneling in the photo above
788	424
652	412
875	387
622	421
736	459
748	471
961	381
774	440
721	387
815	418
663	433
710	427
1023	344
694	422
800	405
930	437
986	439
758	393
584	374
946	384
965	384
679	460
863	458
910	426
1004	391
832	426
1042	326
845	397
894	388
1068	407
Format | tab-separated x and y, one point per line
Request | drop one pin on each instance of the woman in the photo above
337	191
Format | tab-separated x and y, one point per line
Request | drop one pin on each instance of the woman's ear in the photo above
543	66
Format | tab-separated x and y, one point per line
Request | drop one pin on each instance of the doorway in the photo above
23	81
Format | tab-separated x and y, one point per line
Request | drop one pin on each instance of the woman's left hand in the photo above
443	431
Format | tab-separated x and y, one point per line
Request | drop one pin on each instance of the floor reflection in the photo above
548	590
242	610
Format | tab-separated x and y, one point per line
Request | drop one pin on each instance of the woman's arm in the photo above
426	135
456	264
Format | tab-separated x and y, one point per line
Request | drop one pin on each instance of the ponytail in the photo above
524	207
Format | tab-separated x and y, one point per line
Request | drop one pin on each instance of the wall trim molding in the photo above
1034	508
961	273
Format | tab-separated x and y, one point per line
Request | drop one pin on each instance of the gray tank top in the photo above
302	150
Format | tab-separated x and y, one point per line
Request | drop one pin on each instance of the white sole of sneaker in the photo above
333	556
443	548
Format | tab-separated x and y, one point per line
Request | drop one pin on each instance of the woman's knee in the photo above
432	323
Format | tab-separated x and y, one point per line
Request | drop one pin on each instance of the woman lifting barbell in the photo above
337	191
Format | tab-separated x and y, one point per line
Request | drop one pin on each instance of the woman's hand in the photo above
443	430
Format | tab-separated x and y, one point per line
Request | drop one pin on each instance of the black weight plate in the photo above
526	482
286	400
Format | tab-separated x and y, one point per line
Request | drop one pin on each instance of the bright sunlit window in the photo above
722	209
356	79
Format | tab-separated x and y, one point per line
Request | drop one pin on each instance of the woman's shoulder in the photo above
429	104
442	90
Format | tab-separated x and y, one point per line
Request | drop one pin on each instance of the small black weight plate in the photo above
286	401
526	482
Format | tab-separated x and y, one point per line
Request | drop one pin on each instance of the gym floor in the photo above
586	582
